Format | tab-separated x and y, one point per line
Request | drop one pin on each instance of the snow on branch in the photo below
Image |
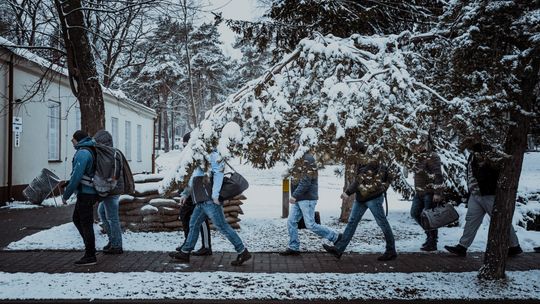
327	94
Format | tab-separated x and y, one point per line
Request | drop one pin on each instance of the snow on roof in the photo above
42	62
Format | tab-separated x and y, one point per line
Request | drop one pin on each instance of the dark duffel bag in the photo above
302	223
439	216
233	184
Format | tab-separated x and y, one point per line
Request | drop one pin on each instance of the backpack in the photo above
108	168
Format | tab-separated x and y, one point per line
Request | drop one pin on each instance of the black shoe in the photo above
113	250
388	256
457	250
339	237
333	250
86	261
537	249
202	251
289	251
180	256
430	246
513	251
241	258
107	247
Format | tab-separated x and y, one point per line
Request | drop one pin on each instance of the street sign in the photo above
17	139
17	124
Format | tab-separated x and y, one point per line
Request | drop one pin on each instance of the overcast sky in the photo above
234	9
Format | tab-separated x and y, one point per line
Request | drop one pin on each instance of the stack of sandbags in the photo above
148	211
232	210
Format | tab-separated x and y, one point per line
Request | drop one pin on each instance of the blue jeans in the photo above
419	203
358	209
108	214
306	209
215	213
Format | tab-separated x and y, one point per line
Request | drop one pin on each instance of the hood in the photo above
85	142
103	137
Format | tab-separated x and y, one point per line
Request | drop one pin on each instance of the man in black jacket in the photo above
482	176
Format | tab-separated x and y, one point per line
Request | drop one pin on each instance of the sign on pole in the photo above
17	129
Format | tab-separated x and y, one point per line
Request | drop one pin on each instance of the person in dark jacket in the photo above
428	187
482	176
205	194
372	180
305	193
83	217
108	207
186	211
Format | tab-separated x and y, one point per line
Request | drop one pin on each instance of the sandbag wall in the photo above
148	211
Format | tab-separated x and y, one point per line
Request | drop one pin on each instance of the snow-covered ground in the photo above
276	286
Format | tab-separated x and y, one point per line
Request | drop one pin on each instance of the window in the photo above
128	140
114	131
54	131
139	143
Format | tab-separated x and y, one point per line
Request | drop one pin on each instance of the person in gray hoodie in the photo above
109	205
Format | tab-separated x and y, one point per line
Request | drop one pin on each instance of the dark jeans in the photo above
419	203
83	218
185	215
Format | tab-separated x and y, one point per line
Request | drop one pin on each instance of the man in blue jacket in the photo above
81	184
305	193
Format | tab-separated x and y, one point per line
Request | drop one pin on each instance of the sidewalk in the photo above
19	223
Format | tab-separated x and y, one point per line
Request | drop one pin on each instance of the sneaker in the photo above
86	261
388	256
290	251
333	250
107	247
241	258
113	250
180	256
537	249
513	251
429	246
202	251
457	250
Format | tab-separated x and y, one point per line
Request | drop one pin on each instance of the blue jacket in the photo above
82	165
307	188
196	186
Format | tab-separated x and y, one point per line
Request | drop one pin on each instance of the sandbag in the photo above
163	202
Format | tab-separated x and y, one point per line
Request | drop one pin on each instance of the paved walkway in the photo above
19	223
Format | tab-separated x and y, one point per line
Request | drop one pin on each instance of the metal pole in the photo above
10	130
285	199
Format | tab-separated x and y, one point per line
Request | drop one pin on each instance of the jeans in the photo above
306	209
83	218
215	213
477	207
186	212
108	213
419	203
358	209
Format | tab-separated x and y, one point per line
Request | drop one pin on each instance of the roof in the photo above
42	62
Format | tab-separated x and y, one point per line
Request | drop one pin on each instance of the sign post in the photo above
17	130
285	199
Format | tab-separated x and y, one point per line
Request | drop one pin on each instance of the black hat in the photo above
186	137
79	135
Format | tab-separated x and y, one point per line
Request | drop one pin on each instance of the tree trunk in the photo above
188	61
346	204
173	131
160	114
83	76
166	148
505	198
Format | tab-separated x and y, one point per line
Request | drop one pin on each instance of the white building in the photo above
47	120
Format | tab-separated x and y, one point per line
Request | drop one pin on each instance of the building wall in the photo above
32	155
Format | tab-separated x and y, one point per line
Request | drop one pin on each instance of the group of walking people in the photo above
200	202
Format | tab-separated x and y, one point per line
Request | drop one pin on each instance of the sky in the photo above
233	9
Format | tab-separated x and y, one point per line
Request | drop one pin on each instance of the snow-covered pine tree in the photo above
329	92
491	51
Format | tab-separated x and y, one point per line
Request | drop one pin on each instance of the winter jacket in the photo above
307	187
428	178
485	172
203	187
371	181
82	165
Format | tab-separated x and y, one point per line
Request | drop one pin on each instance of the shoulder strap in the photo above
227	163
